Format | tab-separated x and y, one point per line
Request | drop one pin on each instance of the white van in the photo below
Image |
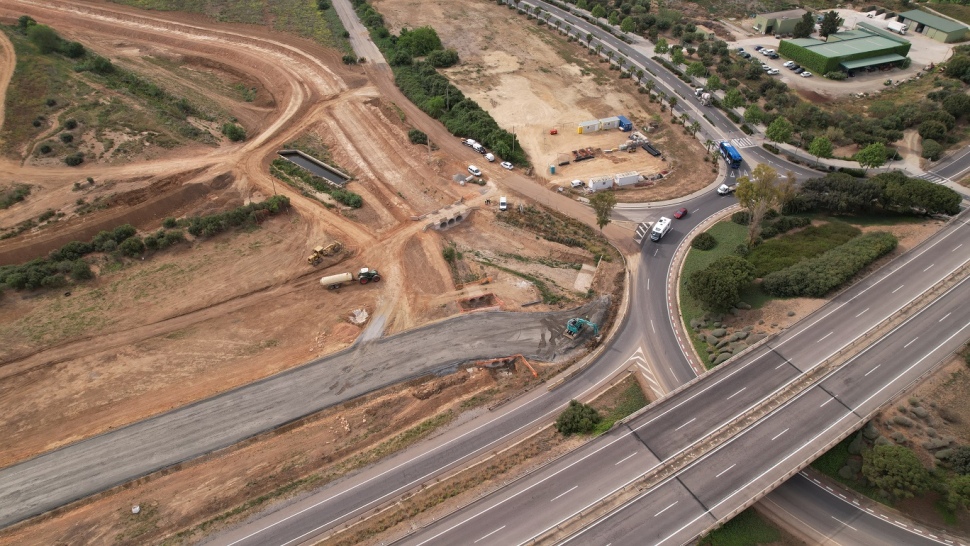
489	157
503	204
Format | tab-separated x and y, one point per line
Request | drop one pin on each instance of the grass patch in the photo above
559	228
14	194
959	12
729	235
784	251
746	529
549	296
630	400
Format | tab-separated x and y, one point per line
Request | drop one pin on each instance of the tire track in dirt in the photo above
8	61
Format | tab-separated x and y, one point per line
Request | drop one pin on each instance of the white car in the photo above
773	72
789	64
489	157
474	170
806	74
506	165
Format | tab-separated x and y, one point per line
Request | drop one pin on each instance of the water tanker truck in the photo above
365	276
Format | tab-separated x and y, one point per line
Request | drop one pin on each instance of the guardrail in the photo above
766	407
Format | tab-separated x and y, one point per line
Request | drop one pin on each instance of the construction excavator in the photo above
575	327
321	251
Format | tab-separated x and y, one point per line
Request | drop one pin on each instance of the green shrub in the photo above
836	75
169	222
787	251
417	137
81	271
67	138
704	241
234	132
16	194
350	59
932	149
443	58
817	276
132	247
45	149
578	418
74	159
741	217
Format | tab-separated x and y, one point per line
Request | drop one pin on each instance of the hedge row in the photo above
251	214
816	277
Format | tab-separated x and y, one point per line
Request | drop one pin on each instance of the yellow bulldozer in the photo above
320	252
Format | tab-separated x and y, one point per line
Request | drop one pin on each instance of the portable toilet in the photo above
609	123
625	124
552	169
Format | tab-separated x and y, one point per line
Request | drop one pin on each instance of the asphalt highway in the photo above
676	423
793	435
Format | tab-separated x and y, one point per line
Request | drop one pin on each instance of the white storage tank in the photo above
627	179
589	126
610	123
598	183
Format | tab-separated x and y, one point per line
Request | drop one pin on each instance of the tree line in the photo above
414	56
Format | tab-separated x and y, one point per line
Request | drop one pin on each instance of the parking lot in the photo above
923	52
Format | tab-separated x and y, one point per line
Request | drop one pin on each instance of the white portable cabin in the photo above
627	179
598	183
589	126
610	123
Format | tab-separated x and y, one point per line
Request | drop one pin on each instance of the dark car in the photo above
773	56
758	48
746	55
794	67
799	70
680	213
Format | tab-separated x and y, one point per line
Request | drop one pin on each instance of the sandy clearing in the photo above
8	61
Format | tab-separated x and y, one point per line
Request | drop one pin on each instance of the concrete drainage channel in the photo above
315	166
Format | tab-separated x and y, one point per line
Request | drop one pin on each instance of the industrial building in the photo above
939	28
779	22
846	51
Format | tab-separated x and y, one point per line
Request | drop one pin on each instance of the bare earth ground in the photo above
943	395
202	318
310	453
531	80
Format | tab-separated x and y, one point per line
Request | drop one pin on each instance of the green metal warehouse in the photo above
845	51
779	22
939	28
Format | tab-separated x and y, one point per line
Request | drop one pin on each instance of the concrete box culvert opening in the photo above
478	303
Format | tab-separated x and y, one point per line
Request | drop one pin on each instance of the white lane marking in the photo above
825	336
898	289
726	470
779	435
564	492
911	342
648	375
826	402
928	268
862	313
685	424
737	393
944	317
490	534
785	363
872	370
958	246
648	283
625	458
652	327
656	251
665	509
844	523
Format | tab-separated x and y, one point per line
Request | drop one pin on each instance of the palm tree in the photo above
589	37
517	3
663	96
599	49
694	127
684	117
621	62
568	29
672	101
708	144
650	85
609	55
639	75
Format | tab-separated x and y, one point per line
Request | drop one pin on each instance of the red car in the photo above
680	213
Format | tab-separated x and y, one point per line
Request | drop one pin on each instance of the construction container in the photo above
589	126
598	183
625	124
607	124
626	179
552	169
